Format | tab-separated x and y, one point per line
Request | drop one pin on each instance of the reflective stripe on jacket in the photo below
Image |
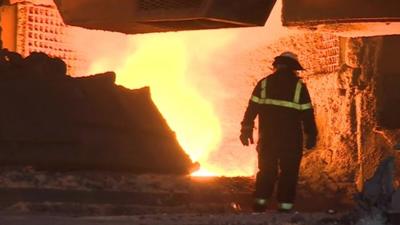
295	104
284	111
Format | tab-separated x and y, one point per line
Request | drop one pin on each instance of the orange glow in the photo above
203	173
199	80
160	61
188	114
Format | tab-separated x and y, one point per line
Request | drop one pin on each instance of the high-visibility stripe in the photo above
261	201
305	106
283	103
264	88
296	93
286	206
296	98
255	99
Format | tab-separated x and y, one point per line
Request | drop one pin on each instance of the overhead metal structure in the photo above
314	12
145	16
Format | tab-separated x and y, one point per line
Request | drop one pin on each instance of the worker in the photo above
283	106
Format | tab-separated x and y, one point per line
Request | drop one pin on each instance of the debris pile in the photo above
52	121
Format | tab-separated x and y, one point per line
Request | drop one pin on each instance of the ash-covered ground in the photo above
28	196
268	218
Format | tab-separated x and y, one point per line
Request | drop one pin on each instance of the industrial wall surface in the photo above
351	83
28	28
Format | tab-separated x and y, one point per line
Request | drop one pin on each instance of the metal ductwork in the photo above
144	16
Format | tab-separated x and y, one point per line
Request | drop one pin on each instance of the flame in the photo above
161	62
196	81
199	81
162	65
204	173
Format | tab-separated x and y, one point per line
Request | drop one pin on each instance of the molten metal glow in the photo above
200	82
161	63
204	173
163	67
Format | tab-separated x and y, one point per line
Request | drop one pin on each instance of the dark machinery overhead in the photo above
144	16
314	12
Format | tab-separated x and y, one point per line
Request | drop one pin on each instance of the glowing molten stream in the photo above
162	65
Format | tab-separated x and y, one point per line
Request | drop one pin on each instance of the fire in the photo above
162	65
200	81
197	80
160	61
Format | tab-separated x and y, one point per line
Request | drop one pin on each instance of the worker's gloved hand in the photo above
311	141
246	135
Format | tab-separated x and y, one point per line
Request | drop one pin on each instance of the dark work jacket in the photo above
281	128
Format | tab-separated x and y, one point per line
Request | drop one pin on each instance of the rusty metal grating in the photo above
148	5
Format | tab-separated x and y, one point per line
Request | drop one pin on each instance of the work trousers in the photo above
277	165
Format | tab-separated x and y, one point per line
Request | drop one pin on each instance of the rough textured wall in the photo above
341	74
334	162
361	57
378	101
348	80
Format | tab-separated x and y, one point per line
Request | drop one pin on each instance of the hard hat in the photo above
289	59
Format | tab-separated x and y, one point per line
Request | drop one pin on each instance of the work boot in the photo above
285	207
260	205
